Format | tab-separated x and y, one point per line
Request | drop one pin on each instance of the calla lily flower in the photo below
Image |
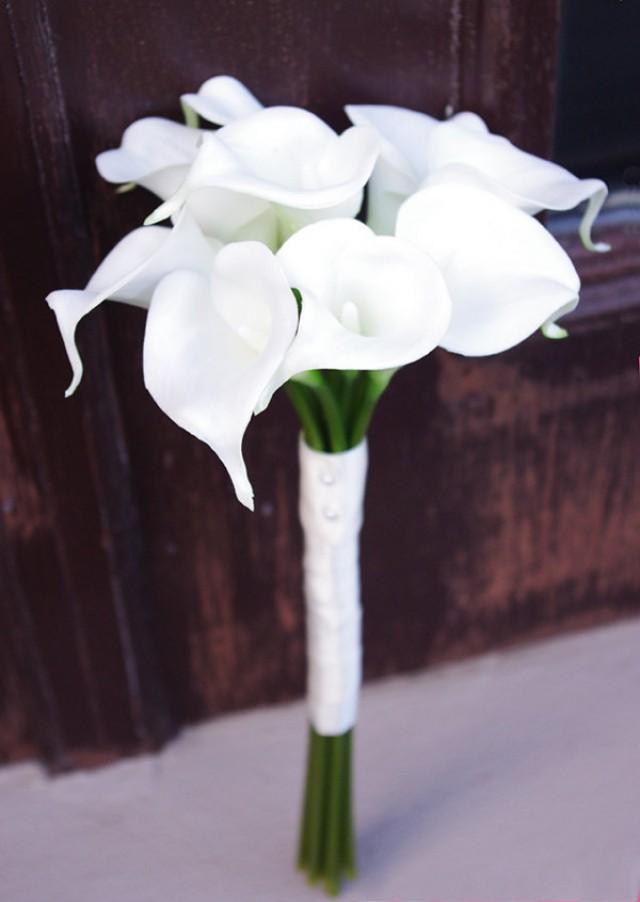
212	345
130	273
506	275
218	325
288	168
155	153
368	302
221	100
418	150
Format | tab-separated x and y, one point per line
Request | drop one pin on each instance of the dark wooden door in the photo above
136	594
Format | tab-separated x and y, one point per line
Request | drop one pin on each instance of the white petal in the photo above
506	274
229	216
155	153
130	273
283	155
387	190
403	133
290	219
401	166
212	345
222	99
401	303
530	182
471	121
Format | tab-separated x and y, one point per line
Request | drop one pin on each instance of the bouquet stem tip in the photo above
326	850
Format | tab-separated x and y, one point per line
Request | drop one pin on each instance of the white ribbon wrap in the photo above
331	511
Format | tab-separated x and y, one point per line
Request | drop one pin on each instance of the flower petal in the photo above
212	345
403	133
154	153
387	190
283	155
506	274
368	302
401	166
229	216
530	182
130	273
222	99
417	147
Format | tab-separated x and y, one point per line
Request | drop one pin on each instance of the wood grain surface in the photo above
136	594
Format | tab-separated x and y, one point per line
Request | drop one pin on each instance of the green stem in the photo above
349	390
356	398
326	849
375	385
348	844
362	415
316	810
336	806
332	415
310	427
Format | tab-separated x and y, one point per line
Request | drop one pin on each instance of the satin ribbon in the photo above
332	490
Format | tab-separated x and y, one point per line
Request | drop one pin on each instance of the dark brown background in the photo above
137	595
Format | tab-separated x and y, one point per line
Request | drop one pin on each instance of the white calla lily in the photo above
402	164
130	273
218	325
222	99
286	158
155	153
530	182
417	150
368	302
506	275
212	345
400	168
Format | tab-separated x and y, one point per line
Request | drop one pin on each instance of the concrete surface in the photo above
514	776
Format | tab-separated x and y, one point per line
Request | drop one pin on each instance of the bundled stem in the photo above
327	848
335	406
334	409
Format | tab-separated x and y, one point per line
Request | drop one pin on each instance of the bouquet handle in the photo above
332	488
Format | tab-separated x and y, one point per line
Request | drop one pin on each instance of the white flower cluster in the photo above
451	254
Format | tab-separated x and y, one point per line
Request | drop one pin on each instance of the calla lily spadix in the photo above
368	302
218	325
417	148
294	168
506	275
222	99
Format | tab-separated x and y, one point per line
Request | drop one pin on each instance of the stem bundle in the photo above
327	845
334	408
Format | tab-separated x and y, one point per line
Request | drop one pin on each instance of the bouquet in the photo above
262	278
